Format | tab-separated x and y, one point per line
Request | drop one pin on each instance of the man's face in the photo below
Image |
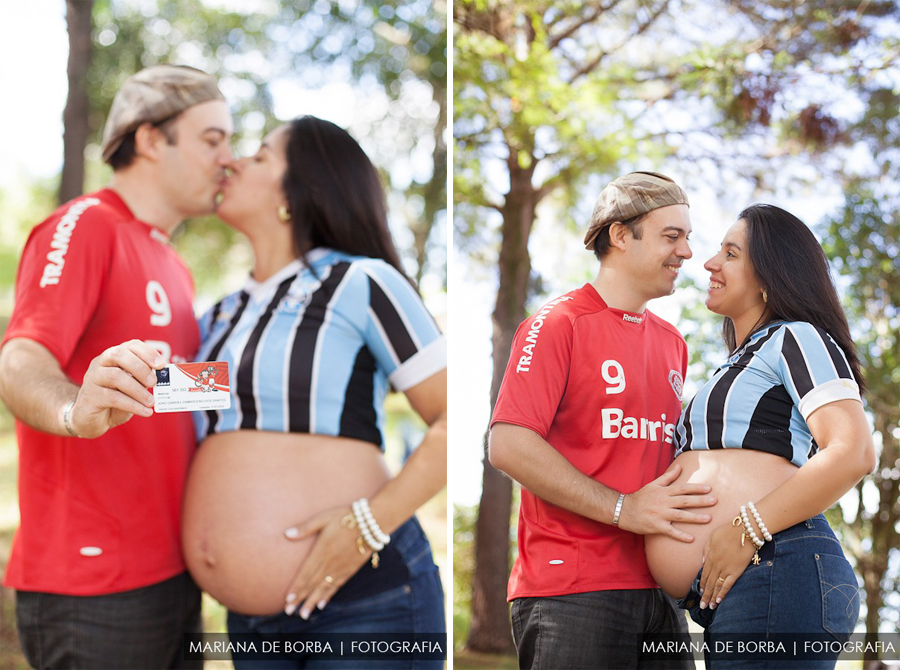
654	260
193	168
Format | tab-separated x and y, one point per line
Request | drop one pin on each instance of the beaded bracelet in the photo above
759	521
379	535
749	528
362	524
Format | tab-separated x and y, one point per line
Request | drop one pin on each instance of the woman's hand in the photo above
724	560
333	559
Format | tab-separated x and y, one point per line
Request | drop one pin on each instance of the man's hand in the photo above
652	509
115	388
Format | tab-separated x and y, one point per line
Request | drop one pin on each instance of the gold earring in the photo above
765	296
284	214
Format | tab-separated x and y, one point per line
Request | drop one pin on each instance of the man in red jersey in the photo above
584	422
96	560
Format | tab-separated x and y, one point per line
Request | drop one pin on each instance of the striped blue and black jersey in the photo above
314	349
762	396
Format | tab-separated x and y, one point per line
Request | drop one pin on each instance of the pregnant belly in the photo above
736	476
245	488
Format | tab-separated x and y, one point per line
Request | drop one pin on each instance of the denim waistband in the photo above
816	526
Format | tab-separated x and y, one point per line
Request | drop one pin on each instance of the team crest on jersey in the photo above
294	301
676	382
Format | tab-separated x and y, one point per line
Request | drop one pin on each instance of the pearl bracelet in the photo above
379	535
759	521
749	528
363	525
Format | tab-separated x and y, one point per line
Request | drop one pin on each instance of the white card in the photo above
186	387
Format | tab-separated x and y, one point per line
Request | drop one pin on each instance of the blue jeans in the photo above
141	628
416	605
599	629
803	585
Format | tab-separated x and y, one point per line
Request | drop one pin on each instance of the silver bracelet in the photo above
618	509
67	419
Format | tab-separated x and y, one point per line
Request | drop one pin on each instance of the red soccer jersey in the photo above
100	516
603	387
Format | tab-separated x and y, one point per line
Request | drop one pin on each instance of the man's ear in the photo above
147	141
618	232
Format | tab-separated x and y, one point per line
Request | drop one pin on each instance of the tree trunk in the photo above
75	116
490	629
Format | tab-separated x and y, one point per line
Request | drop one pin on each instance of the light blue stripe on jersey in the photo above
271	413
230	419
818	361
420	324
336	349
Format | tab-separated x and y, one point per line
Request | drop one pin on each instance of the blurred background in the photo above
789	102
378	69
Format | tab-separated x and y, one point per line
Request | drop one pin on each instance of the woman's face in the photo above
253	190
734	289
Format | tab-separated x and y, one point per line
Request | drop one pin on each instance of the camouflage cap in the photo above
629	196
153	95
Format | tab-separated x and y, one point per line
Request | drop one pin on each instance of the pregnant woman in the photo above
292	519
780	434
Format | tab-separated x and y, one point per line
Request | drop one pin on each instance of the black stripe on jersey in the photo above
244	377
387	314
688	428
358	418
211	415
303	351
793	356
770	425
216	310
715	405
837	356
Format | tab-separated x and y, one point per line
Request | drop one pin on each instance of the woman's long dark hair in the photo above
791	266
334	194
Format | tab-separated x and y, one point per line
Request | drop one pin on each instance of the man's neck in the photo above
618	290
145	201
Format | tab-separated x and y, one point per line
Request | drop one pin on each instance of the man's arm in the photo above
36	390
526	457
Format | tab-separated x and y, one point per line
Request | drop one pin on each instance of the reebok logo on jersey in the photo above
615	424
632	319
534	330
60	243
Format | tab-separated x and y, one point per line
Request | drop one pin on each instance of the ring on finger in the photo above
720	579
329	579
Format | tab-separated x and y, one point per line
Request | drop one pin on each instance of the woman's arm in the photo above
334	554
846	455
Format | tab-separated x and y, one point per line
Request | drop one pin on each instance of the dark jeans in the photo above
600	629
802	585
415	605
142	628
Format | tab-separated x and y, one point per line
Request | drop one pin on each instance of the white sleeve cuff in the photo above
830	391
426	362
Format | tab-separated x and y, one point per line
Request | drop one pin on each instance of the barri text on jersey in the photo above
533	332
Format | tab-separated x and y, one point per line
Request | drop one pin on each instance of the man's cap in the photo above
153	95
629	196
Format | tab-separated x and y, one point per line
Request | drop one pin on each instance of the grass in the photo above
433	517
